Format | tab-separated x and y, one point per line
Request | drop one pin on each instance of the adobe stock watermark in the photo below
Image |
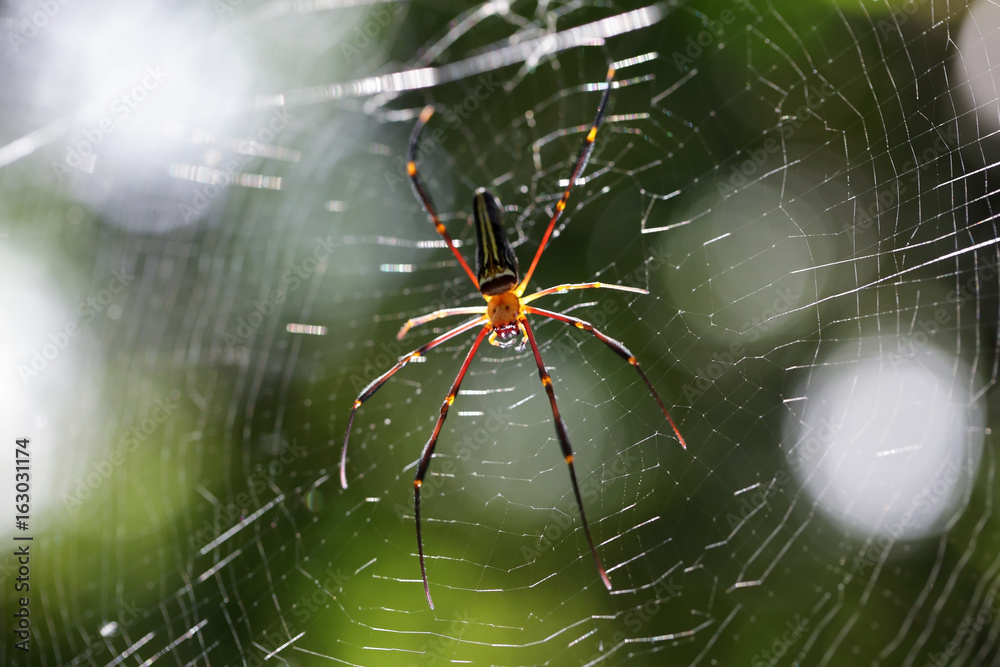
815	444
291	280
756	159
245	501
33	24
451	295
752	330
601	313
229	173
430	141
760	497
794	630
901	13
496	421
366	32
440	647
968	630
889	197
319	599
87	311
636	618
101	471
390	355
564	524
923	502
433	138
986	271
696	45
486	85
82	155
128	614
911	345
270	646
921	335
225	7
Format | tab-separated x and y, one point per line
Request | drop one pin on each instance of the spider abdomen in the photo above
496	263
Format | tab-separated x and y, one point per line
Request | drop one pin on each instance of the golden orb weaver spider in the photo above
505	314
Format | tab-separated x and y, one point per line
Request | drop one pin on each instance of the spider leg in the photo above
437	314
581	164
559	289
420	190
425	456
622	351
567	450
379	381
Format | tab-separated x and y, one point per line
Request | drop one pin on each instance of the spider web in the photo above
802	188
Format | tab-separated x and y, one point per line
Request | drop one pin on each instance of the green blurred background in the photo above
800	186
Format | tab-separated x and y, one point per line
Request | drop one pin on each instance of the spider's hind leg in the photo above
425	456
377	383
567	449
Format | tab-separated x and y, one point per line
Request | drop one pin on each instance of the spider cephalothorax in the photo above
504	317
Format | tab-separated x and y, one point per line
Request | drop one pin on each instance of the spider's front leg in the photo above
377	383
438	314
422	194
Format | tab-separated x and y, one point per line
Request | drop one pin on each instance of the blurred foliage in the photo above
256	440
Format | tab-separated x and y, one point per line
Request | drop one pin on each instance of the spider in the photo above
504	316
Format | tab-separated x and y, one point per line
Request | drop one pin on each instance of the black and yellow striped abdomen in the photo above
496	263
